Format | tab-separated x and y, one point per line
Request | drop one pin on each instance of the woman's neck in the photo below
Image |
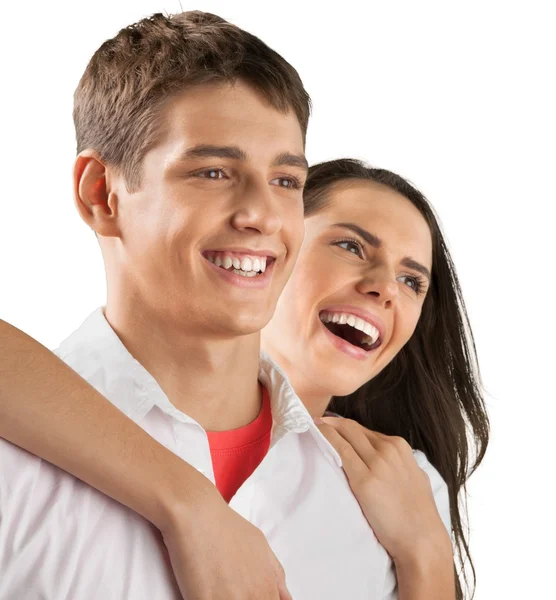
315	398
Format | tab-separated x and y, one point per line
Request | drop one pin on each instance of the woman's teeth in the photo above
248	266
371	332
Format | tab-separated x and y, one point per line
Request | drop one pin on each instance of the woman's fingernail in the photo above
318	421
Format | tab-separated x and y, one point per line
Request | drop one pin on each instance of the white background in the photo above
456	97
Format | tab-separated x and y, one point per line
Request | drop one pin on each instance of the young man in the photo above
190	170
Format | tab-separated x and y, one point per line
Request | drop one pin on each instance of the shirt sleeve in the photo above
442	499
439	489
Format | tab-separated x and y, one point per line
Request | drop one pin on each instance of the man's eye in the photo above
211	174
287	182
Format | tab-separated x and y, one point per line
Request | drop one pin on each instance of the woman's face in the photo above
356	292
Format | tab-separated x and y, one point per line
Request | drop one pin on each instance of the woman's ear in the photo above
96	203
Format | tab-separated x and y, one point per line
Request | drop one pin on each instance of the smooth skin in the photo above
338	267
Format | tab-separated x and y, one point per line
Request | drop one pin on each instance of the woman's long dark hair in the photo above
430	394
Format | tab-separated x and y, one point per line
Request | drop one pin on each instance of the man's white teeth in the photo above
246	265
245	273
372	333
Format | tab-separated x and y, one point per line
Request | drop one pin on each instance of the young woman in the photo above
371	326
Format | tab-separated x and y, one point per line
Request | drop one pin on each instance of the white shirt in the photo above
61	539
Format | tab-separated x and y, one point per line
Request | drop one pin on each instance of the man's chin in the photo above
247	322
233	321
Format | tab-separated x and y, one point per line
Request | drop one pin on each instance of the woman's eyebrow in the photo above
370	238
416	266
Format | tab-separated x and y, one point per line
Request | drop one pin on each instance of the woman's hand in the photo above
217	555
394	493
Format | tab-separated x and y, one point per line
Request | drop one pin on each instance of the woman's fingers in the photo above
371	445
390	446
394	492
351	443
352	463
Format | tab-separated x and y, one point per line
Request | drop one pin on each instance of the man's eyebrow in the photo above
212	151
370	238
236	153
291	160
416	266
376	242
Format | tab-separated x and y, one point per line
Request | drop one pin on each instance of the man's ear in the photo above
96	203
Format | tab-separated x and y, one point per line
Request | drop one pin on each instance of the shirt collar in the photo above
288	411
98	355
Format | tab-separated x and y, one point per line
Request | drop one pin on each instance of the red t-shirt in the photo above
238	452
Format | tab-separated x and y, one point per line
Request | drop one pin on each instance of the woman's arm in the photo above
47	409
396	497
427	574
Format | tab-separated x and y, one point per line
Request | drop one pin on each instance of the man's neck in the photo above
214	381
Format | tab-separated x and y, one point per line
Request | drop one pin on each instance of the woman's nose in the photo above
381	284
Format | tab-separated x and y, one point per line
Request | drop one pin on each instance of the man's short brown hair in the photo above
119	100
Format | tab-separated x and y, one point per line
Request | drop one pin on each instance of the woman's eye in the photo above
211	174
352	247
411	282
286	182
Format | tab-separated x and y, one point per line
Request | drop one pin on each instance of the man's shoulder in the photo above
83	340
90	350
84	358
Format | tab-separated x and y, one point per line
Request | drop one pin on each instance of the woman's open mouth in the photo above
352	329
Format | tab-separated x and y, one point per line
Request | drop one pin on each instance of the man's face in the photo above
220	202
